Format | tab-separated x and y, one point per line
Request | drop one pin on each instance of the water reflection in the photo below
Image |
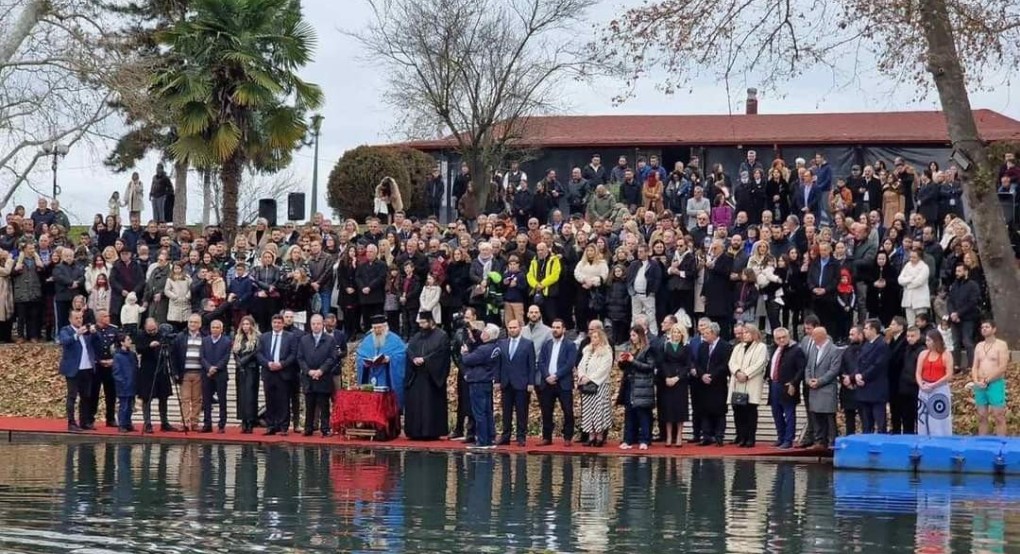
204	498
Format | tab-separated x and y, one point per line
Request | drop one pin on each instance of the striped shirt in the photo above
192	360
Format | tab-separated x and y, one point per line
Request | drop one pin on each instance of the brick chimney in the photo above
752	101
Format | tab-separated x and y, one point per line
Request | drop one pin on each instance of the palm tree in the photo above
233	91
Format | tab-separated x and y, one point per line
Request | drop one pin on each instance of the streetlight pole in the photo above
57	150
316	129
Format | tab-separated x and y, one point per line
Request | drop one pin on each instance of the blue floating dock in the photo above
962	455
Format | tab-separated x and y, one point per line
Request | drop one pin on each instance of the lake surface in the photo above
125	497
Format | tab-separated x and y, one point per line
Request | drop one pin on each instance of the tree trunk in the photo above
230	177
206	195
997	255
29	17
181	193
480	178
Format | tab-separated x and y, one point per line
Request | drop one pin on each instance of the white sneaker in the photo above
625	446
643	446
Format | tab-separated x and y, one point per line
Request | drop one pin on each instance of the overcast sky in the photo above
354	114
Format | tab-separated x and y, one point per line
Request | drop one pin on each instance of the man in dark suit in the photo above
872	378
786	371
807	197
370	280
823	278
277	354
215	355
77	365
713	371
899	411
516	380
555	378
317	359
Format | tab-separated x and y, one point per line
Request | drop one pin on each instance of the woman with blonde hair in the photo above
246	373
747	369
110	255
591	274
178	293
676	364
593	383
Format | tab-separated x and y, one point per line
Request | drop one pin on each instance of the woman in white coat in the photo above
914	280
747	371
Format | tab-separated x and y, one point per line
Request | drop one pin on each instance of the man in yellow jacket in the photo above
544	280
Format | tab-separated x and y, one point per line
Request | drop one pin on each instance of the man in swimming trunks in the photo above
988	376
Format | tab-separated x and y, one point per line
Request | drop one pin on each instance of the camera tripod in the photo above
163	372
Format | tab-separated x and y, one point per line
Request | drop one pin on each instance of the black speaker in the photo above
295	206
267	210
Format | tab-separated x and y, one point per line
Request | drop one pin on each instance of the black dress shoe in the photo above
221	430
706	442
503	441
88	427
270	432
206	429
307	433
112	424
545	442
719	442
147	430
522	442
283	433
246	430
327	433
167	428
777	443
73	427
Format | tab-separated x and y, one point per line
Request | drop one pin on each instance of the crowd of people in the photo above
862	293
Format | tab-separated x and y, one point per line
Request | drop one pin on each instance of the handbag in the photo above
740	398
588	388
597	301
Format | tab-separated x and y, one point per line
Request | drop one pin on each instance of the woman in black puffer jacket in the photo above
618	304
637	392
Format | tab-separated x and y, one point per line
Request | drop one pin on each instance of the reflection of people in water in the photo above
988	534
934	515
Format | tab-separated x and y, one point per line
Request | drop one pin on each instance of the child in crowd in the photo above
125	366
130	314
515	291
946	330
430	296
113	205
747	297
391	302
618	305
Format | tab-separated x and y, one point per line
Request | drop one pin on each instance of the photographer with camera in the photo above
481	363
153	346
465	332
77	365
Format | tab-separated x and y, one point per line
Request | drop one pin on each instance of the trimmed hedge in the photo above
353	179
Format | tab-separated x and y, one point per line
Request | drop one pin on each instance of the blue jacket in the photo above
564	365
125	368
520	371
823	177
244	288
482	363
71	357
873	365
215	354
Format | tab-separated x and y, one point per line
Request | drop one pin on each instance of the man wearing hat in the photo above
381	358
428	366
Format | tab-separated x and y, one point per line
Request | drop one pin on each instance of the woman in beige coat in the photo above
914	280
747	372
178	292
595	367
6	296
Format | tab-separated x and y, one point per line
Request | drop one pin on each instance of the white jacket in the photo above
914	280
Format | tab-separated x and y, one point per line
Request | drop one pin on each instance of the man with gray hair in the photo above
823	365
481	368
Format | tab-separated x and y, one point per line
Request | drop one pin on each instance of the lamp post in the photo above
316	129
57	150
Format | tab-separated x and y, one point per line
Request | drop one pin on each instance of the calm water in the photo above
212	498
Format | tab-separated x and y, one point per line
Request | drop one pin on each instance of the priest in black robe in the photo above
428	365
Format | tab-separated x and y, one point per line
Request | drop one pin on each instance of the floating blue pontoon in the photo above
969	455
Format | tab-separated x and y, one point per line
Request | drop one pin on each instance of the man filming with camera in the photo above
77	365
153	345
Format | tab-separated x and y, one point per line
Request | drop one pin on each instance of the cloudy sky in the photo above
354	114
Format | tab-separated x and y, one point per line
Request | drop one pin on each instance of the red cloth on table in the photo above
376	410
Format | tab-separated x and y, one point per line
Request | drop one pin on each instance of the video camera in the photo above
165	334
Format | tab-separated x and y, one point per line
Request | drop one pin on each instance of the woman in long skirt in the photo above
934	400
246	374
596	408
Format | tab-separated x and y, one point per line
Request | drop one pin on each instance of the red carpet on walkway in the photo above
38	426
